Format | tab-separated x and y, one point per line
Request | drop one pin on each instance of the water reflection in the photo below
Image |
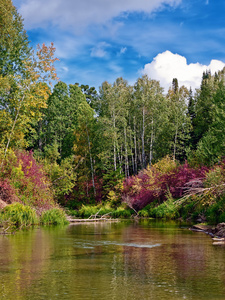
125	260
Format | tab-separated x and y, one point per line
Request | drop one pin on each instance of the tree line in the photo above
86	137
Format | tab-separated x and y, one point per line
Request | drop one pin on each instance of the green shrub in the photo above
222	217
122	212
55	216
167	209
88	210
144	213
19	215
100	210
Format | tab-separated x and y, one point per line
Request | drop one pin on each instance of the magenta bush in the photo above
140	190
7	192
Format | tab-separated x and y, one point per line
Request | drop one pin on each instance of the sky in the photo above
101	40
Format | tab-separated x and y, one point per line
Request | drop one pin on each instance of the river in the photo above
148	259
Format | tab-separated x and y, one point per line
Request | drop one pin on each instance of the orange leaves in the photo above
46	60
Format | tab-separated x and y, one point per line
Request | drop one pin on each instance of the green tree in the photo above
61	119
24	78
150	116
112	108
203	107
28	95
179	120
90	94
211	147
14	44
84	140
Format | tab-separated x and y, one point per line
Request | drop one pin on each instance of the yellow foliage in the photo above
112	197
214	177
165	165
17	172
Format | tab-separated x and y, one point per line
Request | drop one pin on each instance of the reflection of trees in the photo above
181	262
99	260
23	257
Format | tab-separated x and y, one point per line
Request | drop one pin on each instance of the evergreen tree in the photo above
203	107
211	147
180	124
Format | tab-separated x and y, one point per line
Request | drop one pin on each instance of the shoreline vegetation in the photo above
124	151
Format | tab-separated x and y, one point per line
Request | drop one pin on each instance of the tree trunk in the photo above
151	146
135	148
11	132
175	144
114	142
132	154
126	155
143	139
91	161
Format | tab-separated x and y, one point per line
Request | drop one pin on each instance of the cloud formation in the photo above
75	14
166	66
100	50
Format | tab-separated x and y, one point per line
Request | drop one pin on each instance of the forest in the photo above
122	150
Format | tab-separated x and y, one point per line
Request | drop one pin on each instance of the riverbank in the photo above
216	232
16	216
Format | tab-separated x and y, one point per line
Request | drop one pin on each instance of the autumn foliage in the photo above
154	183
23	180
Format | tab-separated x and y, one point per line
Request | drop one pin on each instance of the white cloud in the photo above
74	14
65	69
100	50
123	50
166	66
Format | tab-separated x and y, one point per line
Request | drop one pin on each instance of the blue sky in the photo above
98	40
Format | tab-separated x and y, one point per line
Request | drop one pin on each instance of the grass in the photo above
100	210
54	216
19	215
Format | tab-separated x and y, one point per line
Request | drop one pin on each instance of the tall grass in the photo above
100	210
19	215
54	216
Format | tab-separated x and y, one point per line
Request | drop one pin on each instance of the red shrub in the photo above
31	169
141	190
7	192
177	181
33	186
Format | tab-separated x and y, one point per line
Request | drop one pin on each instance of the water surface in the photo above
124	260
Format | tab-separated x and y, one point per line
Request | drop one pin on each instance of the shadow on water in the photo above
148	259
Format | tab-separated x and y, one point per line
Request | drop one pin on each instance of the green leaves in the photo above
14	45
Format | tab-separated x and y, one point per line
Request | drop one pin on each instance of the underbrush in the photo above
157	181
100	210
198	208
171	191
17	215
168	210
23	180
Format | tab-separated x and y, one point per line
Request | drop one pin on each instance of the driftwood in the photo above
6	225
92	218
71	220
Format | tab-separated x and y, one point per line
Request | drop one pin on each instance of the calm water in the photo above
124	260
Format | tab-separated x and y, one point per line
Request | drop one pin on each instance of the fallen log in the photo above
71	220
